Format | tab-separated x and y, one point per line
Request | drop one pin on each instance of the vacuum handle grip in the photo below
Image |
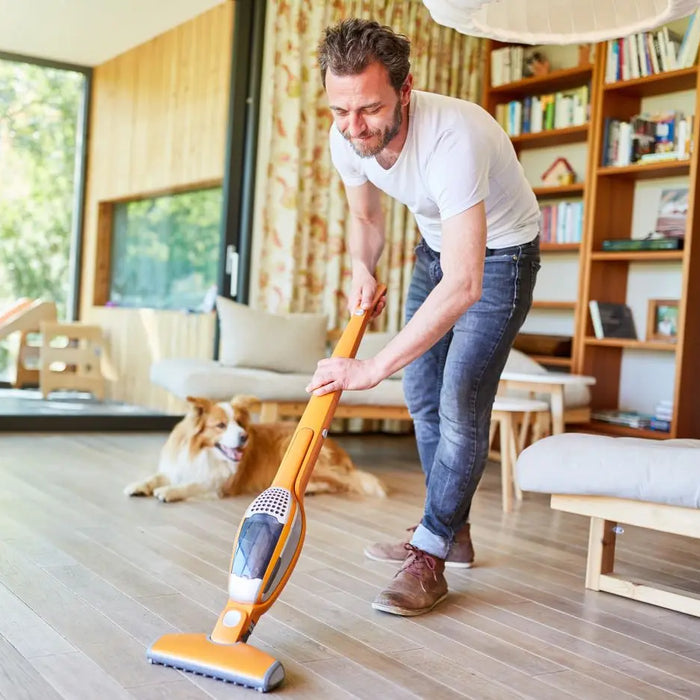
351	337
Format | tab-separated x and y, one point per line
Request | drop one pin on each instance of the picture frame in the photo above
662	320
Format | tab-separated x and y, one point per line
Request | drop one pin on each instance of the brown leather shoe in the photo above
461	555
417	588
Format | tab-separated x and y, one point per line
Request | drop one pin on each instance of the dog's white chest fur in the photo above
206	467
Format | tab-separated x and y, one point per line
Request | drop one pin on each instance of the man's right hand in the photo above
362	291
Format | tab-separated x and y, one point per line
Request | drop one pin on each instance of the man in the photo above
456	170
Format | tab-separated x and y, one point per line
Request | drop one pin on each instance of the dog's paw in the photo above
167	494
137	489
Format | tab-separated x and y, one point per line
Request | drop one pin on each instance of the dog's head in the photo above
221	426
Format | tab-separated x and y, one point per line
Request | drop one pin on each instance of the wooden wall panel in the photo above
158	124
137	337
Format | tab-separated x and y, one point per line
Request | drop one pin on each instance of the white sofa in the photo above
273	356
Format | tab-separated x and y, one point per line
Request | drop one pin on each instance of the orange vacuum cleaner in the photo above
265	551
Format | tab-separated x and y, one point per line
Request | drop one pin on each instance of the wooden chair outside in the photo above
74	365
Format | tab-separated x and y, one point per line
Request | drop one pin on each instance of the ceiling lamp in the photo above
556	21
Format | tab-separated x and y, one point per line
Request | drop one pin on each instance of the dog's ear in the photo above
248	403
198	405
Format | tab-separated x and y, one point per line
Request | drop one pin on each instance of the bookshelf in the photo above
555	307
618	202
616	208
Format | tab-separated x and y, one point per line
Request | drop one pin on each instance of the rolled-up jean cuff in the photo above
430	543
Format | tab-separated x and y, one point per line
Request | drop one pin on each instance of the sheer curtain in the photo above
300	260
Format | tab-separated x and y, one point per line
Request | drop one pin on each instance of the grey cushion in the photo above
660	471
261	340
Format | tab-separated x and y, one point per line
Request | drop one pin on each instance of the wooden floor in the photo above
89	578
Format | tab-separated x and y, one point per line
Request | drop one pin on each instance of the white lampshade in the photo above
556	21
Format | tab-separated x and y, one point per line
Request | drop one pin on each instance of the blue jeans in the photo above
451	388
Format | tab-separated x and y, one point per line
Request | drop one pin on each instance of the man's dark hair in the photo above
351	45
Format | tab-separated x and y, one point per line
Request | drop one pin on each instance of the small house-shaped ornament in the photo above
559	172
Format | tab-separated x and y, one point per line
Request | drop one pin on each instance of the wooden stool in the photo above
506	414
80	356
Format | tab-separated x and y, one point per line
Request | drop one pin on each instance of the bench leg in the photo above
601	551
269	412
506	431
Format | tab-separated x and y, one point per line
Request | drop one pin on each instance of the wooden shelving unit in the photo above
613	429
554	81
646	171
638	255
631	344
576	189
551	137
605	275
549	360
561	305
559	247
609	199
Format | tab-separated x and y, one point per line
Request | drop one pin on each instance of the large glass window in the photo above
40	110
165	250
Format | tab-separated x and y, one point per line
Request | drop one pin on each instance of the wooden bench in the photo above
605	514
646	483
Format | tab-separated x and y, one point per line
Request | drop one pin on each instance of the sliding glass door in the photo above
41	128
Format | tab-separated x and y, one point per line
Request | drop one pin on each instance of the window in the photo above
165	250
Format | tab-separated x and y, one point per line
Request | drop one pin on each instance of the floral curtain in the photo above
300	260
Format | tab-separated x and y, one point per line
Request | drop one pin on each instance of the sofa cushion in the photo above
210	379
660	471
261	340
575	395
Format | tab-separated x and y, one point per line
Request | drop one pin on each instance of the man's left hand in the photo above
342	373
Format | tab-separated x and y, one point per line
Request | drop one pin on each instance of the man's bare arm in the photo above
366	241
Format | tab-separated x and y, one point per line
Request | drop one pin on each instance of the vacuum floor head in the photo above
238	663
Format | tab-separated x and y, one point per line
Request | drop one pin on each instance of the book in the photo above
643	244
631	419
612	320
660	424
672	213
658	157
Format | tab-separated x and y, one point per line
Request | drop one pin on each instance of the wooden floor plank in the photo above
88	578
26	631
19	680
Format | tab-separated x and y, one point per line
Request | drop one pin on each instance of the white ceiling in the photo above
89	32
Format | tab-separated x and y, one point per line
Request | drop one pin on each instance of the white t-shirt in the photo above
455	155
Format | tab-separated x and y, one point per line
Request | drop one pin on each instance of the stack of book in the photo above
643	244
630	419
663	414
647	138
562	222
557	110
647	53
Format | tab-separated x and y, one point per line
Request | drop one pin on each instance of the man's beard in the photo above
389	134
